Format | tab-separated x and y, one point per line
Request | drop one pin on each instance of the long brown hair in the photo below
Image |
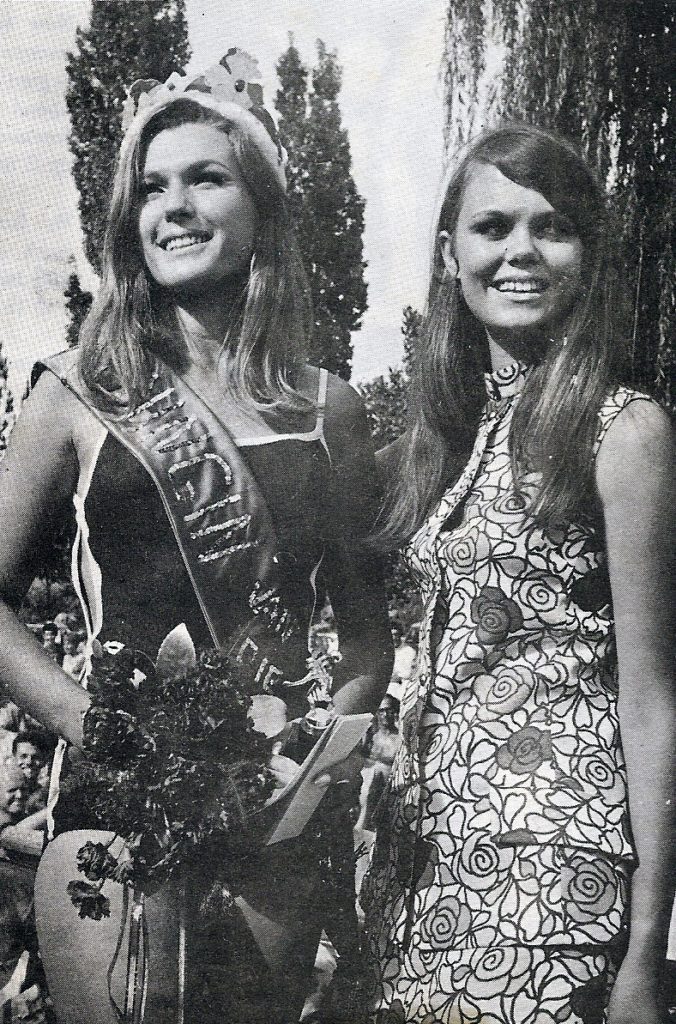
129	324
555	421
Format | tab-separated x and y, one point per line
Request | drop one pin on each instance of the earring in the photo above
452	267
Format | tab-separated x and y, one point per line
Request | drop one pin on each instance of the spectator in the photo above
37	800
22	988
28	756
50	641
72	645
65	622
13	790
12	718
404	658
379	748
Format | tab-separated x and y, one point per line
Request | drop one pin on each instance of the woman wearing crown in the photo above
215	479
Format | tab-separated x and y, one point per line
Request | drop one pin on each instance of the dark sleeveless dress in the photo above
144	592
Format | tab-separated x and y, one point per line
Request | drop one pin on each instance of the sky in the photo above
391	103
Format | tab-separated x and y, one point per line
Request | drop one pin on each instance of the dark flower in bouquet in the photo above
173	765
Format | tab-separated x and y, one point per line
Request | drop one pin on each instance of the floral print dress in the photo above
498	883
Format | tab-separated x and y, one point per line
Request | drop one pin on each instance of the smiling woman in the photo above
534	495
198	220
517	259
215	480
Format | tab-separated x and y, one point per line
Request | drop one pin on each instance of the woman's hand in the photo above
283	769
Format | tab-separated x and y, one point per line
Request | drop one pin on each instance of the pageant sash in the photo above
220	521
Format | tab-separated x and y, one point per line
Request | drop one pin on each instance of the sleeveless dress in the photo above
134	588
498	884
127	568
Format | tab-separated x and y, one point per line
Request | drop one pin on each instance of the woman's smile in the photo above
517	258
179	243
198	220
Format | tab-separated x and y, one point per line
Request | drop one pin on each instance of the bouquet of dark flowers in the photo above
173	765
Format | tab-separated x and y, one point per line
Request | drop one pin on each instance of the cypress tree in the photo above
124	41
78	302
324	200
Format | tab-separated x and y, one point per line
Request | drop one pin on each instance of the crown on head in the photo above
224	87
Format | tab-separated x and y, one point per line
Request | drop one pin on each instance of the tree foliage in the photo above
386	397
600	73
325	203
78	302
7	414
124	41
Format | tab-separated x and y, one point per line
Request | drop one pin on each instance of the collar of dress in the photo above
507	381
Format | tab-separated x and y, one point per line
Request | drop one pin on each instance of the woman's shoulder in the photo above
628	414
343	403
636	441
53	408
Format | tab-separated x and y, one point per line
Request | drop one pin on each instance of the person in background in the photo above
73	660
523	866
379	749
28	756
13	792
404	657
50	641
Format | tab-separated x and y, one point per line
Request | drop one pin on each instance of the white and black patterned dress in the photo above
498	884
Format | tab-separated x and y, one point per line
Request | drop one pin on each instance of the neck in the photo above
204	320
524	349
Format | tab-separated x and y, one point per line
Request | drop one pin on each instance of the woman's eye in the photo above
493	228
556	226
208	178
150	188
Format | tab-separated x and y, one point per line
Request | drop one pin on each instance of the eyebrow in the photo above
199	165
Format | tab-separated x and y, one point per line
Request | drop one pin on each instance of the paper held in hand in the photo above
295	804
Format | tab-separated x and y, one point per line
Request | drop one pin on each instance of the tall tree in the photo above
599	72
124	41
78	302
7	415
328	209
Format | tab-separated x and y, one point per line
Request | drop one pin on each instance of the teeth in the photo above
520	286
184	241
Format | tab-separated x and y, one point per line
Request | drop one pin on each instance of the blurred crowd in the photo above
26	752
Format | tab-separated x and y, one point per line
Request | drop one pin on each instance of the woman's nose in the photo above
521	247
177	201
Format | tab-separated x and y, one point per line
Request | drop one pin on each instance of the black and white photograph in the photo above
337	556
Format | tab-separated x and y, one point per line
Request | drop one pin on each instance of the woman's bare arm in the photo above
352	570
37	475
635	480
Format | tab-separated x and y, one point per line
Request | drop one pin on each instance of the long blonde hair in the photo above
128	326
555	421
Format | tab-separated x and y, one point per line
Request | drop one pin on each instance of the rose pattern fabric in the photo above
510	771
